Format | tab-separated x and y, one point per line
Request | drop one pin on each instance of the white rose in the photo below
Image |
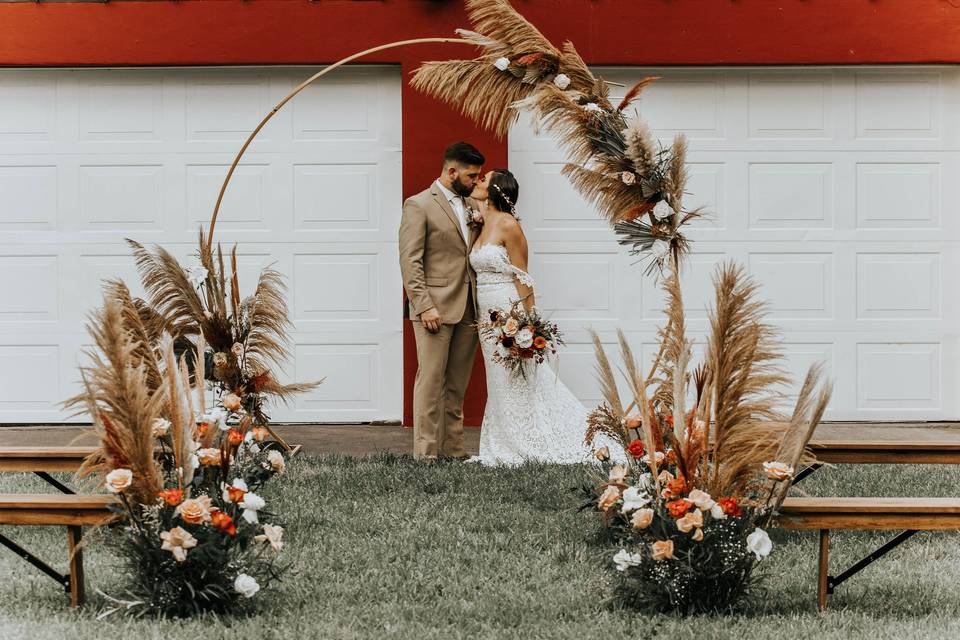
272	534
160	427
245	585
662	210
251	504
716	512
759	543
525	337
778	470
562	81
197	275
701	499
660	248
118	480
502	63
624	559
634	499
592	106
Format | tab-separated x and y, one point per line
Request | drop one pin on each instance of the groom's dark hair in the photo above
463	153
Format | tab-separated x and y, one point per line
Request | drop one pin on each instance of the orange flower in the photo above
632	422
172	497
203	427
678	508
195	510
222	521
662	550
677	486
231	402
635	448
234	494
730	507
234	437
609	498
540	342
260	434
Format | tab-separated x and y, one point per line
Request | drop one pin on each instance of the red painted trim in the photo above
628	32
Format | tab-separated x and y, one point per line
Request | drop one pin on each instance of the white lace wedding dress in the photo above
531	418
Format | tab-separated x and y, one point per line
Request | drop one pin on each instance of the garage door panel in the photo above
90	157
831	185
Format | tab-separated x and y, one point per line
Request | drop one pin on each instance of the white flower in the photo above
237	483
701	499
660	248
160	427
197	275
194	462
502	63
633	499
562	81
525	337
245	585
624	559
662	210
277	463
254	449
272	534
118	480
778	470
716	512
628	177
658	456
592	106
251	504
645	482
759	543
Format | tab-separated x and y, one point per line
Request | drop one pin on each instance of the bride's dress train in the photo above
531	418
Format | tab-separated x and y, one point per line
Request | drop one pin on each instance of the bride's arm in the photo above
516	244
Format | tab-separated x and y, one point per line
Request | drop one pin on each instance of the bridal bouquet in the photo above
520	336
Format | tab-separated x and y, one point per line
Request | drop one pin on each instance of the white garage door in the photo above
837	187
89	157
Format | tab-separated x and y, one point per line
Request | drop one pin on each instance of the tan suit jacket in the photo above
435	257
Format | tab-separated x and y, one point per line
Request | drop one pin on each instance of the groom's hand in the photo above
431	320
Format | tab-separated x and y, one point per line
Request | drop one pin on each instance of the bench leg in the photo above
74	534
823	569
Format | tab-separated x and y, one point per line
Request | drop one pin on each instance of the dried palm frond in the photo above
606	377
742	357
120	404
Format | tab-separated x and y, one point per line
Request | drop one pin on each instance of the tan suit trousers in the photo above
445	360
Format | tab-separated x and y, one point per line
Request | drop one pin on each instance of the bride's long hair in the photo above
503	191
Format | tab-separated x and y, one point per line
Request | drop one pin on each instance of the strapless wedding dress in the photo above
526	418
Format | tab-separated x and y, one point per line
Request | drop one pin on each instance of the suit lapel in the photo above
442	202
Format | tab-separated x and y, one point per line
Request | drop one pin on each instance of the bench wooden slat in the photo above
870	513
62	509
43	458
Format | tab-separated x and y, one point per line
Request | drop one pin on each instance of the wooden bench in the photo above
909	515
44	460
70	511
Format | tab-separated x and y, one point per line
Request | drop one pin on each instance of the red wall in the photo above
630	32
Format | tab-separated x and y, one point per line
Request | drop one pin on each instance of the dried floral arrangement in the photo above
195	533
614	161
711	458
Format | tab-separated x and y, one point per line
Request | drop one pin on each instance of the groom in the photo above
441	292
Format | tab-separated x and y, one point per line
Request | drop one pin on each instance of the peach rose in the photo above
231	402
118	480
690	520
195	510
260	434
609	498
177	541
276	461
662	550
511	326
642	518
209	456
698	535
602	454
632	422
778	470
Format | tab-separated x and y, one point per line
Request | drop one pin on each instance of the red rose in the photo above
222	521
730	507
635	448
678	508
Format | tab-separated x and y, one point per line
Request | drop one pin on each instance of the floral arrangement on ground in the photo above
192	527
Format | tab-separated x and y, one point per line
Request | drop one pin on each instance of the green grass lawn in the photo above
384	547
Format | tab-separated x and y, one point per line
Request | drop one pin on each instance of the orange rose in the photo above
677	486
203	428
730	507
234	494
540	342
693	519
662	550
635	448
260	434
222	521
209	457
231	402
632	422
678	508
172	497
234	437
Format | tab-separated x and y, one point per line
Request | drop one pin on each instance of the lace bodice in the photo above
492	264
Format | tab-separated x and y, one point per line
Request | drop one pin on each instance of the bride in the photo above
526	418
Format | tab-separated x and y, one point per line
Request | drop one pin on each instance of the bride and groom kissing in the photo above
463	253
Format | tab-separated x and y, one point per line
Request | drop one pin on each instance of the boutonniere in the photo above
474	217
